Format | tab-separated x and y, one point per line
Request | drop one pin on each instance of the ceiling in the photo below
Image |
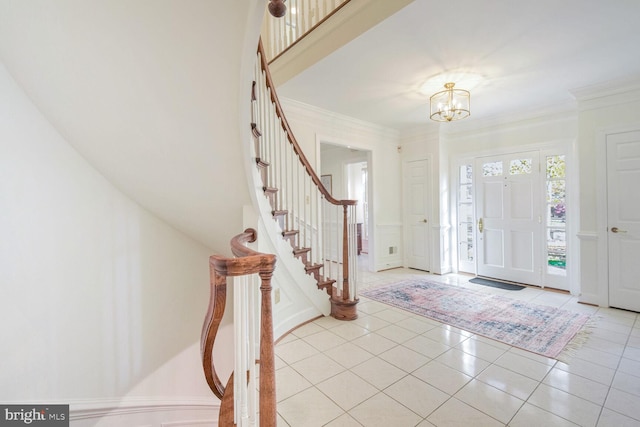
516	57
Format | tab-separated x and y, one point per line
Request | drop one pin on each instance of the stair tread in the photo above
325	283
311	267
262	163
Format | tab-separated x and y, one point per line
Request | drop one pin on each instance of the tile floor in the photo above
393	368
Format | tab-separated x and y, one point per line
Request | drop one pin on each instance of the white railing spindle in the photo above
278	34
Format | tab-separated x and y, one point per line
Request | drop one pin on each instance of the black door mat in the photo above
496	284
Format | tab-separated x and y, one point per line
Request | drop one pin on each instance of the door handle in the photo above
617	230
424	220
480	225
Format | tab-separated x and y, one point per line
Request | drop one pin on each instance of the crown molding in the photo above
609	93
555	113
329	120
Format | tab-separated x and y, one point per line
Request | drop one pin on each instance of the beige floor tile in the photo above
294	351
404	358
508	381
370	306
605	345
308	329
426	346
347	390
418	324
417	395
345	420
442	377
396	333
523	365
317	368
532	416
374	343
445	336
371	323
624	403
309	408
609	418
324	340
349	355
493	402
481	349
565	405
629	366
454	413
579	386
349	331
289	382
588	370
383	411
281	422
463	362
632	353
379	373
392	315
533	356
598	357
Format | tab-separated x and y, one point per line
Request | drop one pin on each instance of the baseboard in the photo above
145	411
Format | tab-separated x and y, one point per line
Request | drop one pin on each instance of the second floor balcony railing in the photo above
301	18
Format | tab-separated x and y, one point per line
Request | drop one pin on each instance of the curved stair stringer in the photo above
300	299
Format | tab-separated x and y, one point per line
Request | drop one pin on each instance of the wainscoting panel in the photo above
389	245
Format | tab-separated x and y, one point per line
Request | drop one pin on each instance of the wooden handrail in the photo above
247	262
292	172
292	139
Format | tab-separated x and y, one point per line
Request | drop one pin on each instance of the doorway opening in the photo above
348	169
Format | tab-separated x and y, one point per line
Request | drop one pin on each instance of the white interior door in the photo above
623	215
417	196
508	216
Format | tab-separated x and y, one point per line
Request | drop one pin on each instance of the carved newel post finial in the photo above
277	8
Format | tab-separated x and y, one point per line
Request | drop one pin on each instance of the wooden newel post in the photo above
267	360
344	307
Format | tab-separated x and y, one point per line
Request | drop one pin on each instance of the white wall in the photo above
154	94
602	109
102	303
312	126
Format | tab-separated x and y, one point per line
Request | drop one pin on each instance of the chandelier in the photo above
450	104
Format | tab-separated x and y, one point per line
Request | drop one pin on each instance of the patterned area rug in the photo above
537	328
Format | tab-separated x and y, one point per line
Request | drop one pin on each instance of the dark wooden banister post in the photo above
267	358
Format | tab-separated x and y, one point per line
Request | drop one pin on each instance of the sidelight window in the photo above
556	215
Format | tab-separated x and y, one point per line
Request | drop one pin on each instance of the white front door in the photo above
623	215
417	196
508	217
